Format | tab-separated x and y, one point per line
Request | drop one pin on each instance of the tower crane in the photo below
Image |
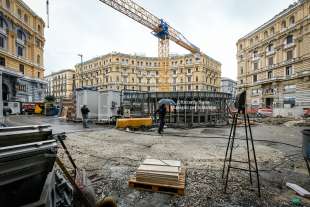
160	29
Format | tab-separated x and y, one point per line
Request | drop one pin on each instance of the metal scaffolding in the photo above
193	109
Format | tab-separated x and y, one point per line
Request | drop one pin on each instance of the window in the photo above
196	69
37	43
241	70
283	24
289	100
8	4
39	28
189	71
19	12
241	81
26	18
38	59
2	61
255	78
197	88
255	54
174	80
270	61
39	74
290	88
269	74
189	79
255	65
2	41
256	38
240	46
22	68
189	87
196	78
251	41
272	30
20	51
265	34
270	48
140	80
19	34
292	20
288	71
289	55
289	39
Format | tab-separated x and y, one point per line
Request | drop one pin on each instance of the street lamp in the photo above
81	66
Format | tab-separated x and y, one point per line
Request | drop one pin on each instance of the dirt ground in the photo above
111	156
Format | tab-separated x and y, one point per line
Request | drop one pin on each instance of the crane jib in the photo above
159	27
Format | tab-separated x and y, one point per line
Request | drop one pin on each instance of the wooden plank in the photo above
174	163
299	190
157	168
178	189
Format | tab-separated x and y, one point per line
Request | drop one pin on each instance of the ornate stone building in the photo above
229	86
21	52
274	60
60	84
117	71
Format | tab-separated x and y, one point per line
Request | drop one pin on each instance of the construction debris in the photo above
299	190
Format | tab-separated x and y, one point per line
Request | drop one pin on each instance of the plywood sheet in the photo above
158	168
174	163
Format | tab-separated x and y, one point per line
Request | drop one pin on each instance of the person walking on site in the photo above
161	113
85	112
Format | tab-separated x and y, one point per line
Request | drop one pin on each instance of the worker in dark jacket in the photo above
161	113
85	112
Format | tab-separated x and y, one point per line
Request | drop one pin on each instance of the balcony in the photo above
290	45
255	58
271	52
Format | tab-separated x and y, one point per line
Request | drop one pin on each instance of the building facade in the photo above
117	71
274	60
61	84
21	52
229	86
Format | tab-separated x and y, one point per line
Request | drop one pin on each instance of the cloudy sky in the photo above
92	28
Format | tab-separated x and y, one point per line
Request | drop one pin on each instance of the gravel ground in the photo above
111	156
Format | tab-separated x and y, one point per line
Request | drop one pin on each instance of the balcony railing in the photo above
255	58
271	52
286	46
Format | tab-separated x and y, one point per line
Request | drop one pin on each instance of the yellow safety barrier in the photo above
134	122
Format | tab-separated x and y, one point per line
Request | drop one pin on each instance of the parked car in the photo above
264	112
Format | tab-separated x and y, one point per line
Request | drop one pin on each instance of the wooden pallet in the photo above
156	187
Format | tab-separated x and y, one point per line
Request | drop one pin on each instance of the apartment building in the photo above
229	86
274	60
117	71
60	84
21	52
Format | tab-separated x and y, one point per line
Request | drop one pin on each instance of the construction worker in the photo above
85	112
161	113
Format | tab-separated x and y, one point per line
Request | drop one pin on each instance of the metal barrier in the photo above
194	108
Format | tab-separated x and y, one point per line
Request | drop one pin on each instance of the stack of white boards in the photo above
159	171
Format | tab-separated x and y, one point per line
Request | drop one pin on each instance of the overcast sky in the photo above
92	28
